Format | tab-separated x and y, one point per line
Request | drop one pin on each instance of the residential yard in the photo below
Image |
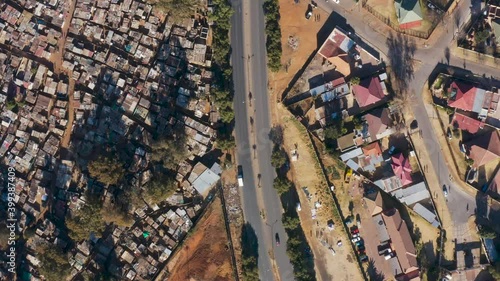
306	173
293	23
205	254
387	9
451	147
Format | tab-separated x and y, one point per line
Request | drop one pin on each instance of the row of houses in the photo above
475	114
351	96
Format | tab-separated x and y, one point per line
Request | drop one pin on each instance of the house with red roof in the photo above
466	123
336	50
402	168
404	264
344	51
370	91
469	97
484	149
371	157
462	95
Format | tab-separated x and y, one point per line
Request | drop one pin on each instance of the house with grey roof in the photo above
409	13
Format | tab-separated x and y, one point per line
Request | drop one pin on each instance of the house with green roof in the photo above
409	13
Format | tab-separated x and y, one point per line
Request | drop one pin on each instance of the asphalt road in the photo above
254	147
428	57
261	204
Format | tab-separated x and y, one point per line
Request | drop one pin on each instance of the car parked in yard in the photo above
391	150
361	248
389	256
363	258
309	11
356	239
354	231
331	225
382	248
359	243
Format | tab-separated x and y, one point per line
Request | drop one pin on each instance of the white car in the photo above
299	208
336	1
355	239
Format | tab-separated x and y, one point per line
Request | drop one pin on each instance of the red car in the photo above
354	231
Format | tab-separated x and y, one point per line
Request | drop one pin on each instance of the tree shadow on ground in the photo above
401	50
249	250
373	273
298	249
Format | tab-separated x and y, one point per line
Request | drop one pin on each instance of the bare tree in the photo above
402	105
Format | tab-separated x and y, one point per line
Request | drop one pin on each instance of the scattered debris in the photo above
293	42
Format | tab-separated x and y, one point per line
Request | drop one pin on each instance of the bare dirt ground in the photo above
306	173
293	23
205	255
57	59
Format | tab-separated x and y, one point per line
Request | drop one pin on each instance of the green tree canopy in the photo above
222	18
86	220
250	269
290	223
169	151
159	188
486	232
495	270
336	130
273	32
282	185
54	263
107	170
354	80
278	157
481	36
178	9
226	143
358	122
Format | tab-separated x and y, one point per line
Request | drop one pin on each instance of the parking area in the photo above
371	241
